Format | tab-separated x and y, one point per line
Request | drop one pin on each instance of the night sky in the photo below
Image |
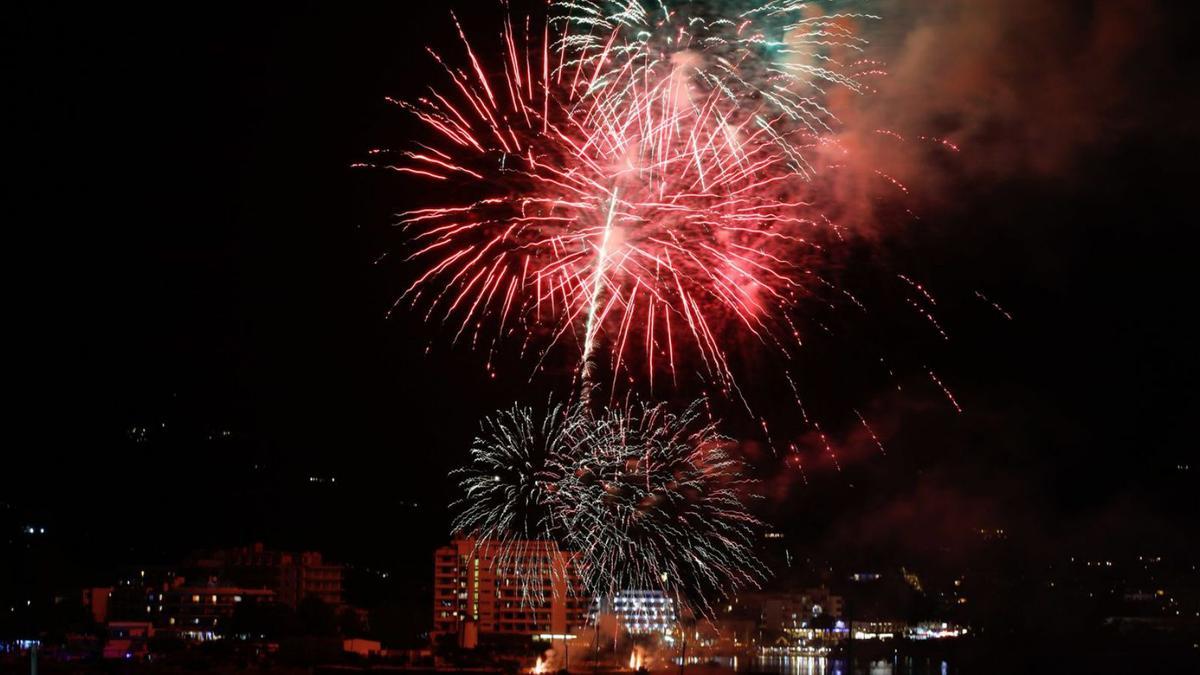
197	323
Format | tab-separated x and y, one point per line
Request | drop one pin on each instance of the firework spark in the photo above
508	482
639	179
657	504
645	498
509	487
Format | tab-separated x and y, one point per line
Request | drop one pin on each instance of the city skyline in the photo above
210	354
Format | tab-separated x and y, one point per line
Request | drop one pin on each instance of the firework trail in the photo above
645	498
639	179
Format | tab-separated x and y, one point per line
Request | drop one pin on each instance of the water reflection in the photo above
821	665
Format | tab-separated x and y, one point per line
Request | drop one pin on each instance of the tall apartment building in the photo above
528	588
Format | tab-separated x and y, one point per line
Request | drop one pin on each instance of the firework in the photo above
509	487
657	504
506	482
638	182
643	498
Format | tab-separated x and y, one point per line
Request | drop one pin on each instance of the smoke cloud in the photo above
985	90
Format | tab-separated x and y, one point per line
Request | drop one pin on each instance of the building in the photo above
292	576
136	596
96	601
127	640
365	648
641	612
878	630
198	599
781	612
204	612
525	588
172	605
787	622
307	575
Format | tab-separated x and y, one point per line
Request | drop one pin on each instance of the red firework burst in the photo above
638	197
